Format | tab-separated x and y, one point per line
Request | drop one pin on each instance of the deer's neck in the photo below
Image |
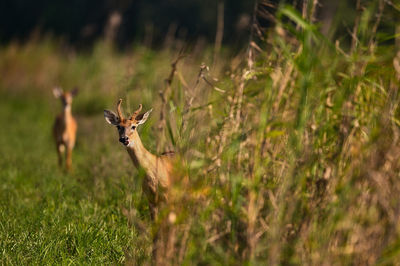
67	113
157	170
140	156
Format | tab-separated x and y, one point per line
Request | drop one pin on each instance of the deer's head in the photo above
65	96
126	126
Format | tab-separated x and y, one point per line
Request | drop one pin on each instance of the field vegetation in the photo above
291	148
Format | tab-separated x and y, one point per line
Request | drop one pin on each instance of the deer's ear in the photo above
58	92
111	117
143	117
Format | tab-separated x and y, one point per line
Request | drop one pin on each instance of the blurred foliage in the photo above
83	21
291	148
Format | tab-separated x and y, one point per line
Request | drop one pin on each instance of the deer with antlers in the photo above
158	168
65	126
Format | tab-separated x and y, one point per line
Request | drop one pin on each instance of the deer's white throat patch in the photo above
130	143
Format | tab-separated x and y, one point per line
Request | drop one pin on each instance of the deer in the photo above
158	169
65	127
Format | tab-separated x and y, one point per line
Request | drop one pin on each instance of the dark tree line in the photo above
83	21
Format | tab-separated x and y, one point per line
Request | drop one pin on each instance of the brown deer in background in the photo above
65	127
158	168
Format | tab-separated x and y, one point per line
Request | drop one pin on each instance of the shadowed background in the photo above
285	115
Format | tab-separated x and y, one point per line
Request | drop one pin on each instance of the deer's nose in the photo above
123	140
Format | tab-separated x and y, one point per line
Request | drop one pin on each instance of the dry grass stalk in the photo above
220	30
164	94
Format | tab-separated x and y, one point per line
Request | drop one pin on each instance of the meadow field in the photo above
291	147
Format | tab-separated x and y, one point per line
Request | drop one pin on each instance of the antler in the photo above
136	112
119	110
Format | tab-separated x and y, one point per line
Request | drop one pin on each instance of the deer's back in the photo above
158	181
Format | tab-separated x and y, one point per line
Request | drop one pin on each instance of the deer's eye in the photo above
133	127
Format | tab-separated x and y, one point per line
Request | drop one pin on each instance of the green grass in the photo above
292	161
48	217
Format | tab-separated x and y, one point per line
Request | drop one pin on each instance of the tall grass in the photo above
292	159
